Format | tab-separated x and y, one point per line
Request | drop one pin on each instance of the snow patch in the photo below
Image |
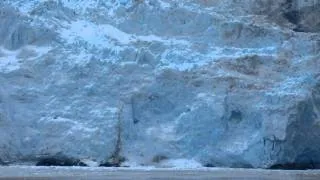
96	35
164	5
168	41
187	59
12	60
8	61
105	35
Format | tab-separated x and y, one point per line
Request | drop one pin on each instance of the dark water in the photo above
75	173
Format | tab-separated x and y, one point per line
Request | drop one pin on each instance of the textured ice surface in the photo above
219	83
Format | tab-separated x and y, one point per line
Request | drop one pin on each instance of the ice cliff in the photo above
221	82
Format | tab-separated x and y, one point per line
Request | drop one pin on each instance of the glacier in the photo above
211	82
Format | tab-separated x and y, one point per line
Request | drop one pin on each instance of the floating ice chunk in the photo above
181	163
